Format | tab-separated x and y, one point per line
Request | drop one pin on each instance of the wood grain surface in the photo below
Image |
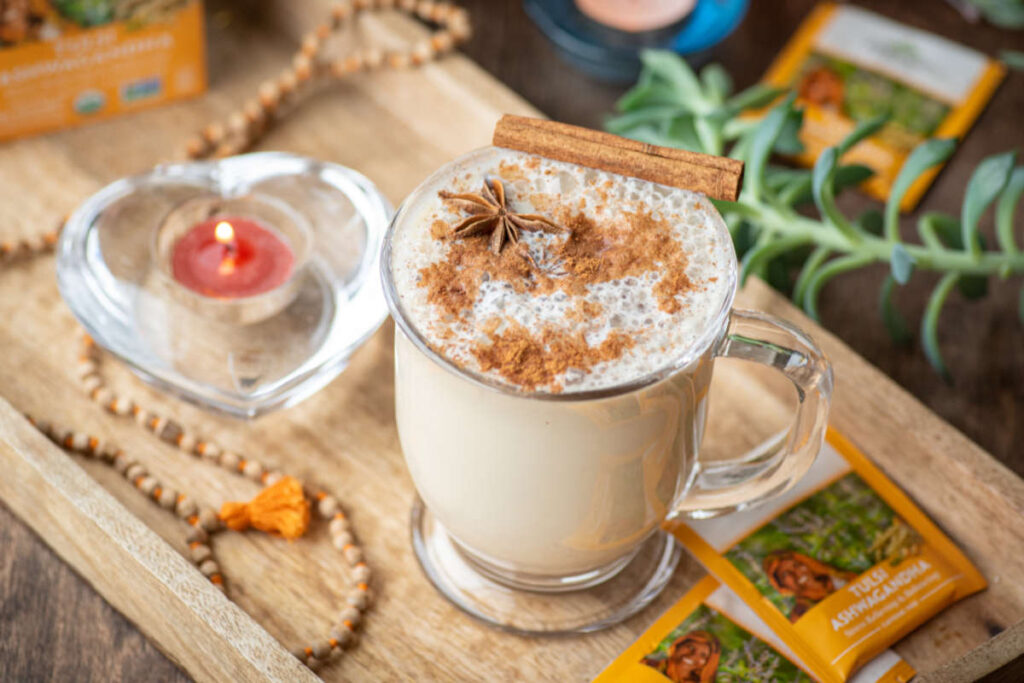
343	437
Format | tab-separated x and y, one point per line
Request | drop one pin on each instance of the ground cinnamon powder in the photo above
634	244
532	360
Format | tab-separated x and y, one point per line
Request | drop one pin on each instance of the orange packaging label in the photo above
849	65
879	606
840	567
64	63
711	635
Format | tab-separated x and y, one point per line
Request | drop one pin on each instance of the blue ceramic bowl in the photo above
612	55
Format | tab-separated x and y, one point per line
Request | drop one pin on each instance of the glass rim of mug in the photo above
694	351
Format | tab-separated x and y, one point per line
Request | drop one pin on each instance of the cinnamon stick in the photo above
716	177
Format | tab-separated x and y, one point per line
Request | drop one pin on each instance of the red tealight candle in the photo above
231	257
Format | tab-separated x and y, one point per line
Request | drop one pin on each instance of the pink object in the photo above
636	15
231	257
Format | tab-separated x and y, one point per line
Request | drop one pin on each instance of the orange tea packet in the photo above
711	634
849	65
840	567
65	63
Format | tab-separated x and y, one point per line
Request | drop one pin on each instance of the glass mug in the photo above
540	512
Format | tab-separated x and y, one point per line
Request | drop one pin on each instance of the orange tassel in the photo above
281	510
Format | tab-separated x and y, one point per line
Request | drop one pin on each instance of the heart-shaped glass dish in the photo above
242	356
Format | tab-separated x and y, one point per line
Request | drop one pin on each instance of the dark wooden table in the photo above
54	627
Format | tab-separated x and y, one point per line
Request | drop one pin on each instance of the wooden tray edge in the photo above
138	573
988	658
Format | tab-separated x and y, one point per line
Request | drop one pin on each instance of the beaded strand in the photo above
242	128
205	522
30	247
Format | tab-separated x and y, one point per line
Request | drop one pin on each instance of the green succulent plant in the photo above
1008	14
674	106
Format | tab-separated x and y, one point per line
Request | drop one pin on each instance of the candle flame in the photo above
224	232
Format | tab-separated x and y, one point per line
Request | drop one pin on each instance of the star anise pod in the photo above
491	213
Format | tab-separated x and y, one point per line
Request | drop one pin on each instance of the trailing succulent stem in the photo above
672	105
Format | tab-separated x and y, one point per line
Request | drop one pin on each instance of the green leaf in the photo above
948	229
650	91
754	97
1006	208
850	175
826	273
901	263
717	82
823	190
640	94
760	255
778	177
777	275
894	321
988	180
682	132
654	135
659	114
741	148
864	129
677	74
941	232
1013	59
726	207
973	287
822	174
930	324
1003	13
788	142
709	134
648	95
733	128
798	191
871	221
811	265
927	154
937	230
764	140
743	238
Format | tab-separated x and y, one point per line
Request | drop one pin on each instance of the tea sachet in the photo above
849	65
712	635
840	567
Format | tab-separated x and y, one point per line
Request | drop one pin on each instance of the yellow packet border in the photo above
624	664
900	502
956	124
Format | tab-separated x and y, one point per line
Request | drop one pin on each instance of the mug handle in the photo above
774	466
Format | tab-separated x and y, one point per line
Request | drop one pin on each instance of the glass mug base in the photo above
527	606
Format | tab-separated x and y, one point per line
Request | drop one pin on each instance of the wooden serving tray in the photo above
395	128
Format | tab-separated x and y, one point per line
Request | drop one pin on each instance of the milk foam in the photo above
628	305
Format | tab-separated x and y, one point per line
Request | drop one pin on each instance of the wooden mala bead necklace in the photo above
309	65
283	507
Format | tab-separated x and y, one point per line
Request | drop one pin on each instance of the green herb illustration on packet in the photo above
860	95
707	646
840	567
821	544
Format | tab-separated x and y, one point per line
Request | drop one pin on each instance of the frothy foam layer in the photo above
633	282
